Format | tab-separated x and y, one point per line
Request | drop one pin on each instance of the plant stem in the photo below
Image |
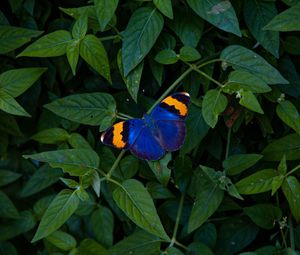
291	229
121	117
110	37
179	212
209	62
208	77
114	166
181	245
283	238
228	143
293	170
172	86
124	115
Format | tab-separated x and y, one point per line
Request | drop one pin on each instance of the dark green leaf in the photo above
51	45
7	208
73	54
289	20
74	161
7	177
133	79
258	182
264	215
94	53
165	6
7	248
288	113
9	125
59	211
219	13
206	234
10	105
249	100
62	240
158	191
91	247
238	80
257	15
102	219
80	27
188	53
166	57
133	198
214	103
291	190
288	145
139	36
161	170
241	58
235	164
77	141
51	136
12	38
105	10
88	108
138	243
42	178
199	249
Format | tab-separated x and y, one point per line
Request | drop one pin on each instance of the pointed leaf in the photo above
139	36
166	57
91	247
249	100
133	198
73	54
105	10
10	105
7	208
165	6
7	177
62	240
51	136
291	190
59	211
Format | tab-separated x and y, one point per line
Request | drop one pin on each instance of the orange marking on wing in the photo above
117	136
181	107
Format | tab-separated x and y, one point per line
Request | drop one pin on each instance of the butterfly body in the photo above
151	136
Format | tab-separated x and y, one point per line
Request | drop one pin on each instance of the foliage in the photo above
70	69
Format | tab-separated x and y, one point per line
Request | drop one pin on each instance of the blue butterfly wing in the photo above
169	117
146	146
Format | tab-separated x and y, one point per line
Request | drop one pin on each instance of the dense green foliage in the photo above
70	69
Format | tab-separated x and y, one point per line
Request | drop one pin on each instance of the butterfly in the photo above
151	136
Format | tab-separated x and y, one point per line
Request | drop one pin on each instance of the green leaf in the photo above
165	6
73	54
258	182
158	191
133	79
214	103
276	183
80	27
59	211
96	183
62	240
51	45
41	179
70	183
7	248
282	167
7	208
288	145
206	234
288	113
10	105
73	161
94	53
142	31
257	15
264	215
133	198
166	57
88	108
173	251
91	247
236	164
105	10
9	125
17	81
128	167
189	29
238	80
23	224
7	177
77	141
219	13
188	53
197	129
12	38
291	190
249	100
199	249
51	136
102	219
160	169
208	198
138	243
241	58
289	20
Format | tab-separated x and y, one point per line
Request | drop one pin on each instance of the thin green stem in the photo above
114	181
291	230
100	171
121	117
283	238
172	86
179	212
110	37
181	245
209	62
228	143
124	115
114	166
293	170
209	78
